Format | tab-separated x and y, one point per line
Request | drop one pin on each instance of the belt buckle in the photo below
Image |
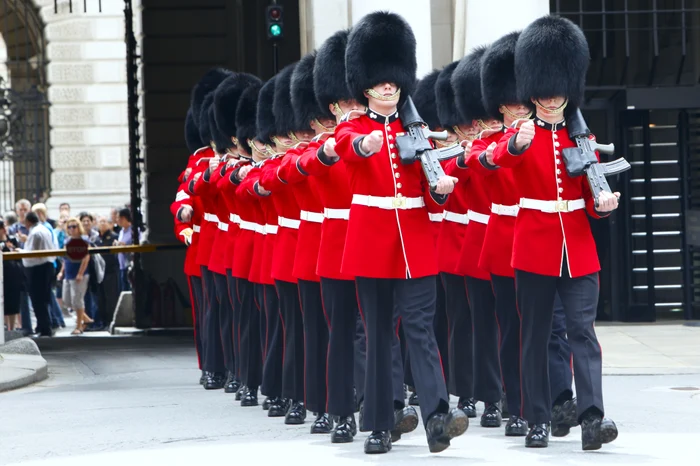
399	202
561	206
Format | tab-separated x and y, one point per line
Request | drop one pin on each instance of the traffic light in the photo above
275	22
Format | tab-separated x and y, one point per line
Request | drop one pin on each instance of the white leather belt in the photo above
551	207
270	229
234	218
259	228
196	228
223	226
508	210
435	217
477	217
388	203
455	217
338	214
288	223
315	217
211	218
250	226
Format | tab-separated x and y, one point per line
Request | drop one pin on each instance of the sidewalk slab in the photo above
20	370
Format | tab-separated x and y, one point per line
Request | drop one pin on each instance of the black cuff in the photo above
178	214
439	198
512	150
324	158
357	145
207	175
485	164
223	169
190	187
460	163
234	176
301	170
255	188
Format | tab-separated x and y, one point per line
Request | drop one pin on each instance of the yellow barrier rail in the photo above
141	248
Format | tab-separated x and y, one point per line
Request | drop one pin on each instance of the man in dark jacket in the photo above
108	290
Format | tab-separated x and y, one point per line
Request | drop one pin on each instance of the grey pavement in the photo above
136	400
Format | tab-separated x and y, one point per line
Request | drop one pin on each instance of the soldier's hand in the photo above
489	153
607	201
213	162
467	150
243	172
186	213
196	177
187	234
329	148
525	136
445	185
262	191
372	143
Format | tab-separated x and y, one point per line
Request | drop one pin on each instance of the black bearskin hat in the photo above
381	48
192	139
246	114
446	106
551	59
221	141
498	85
204	129
466	83
424	99
329	71
206	85
285	119
265	118
226	100
304	102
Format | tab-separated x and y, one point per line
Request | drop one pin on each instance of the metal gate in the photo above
24	128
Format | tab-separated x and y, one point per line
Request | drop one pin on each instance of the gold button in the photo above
556	152
391	146
558	180
561	190
399	194
554	135
556	144
395	165
388	128
398	185
393	156
390	137
558	172
558	161
397	175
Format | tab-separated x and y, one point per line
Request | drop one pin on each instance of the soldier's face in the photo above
520	110
551	103
305	135
469	131
285	140
348	106
386	89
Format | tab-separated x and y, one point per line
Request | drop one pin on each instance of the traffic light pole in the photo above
275	58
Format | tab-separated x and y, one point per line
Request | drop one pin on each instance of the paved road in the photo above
136	401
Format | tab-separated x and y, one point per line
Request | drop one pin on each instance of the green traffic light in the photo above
275	30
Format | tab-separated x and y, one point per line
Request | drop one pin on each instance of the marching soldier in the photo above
389	246
553	248
450	240
466	83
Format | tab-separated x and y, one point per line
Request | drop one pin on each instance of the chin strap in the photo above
505	110
376	95
462	136
276	140
325	128
556	111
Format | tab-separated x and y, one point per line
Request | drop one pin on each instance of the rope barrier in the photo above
142	248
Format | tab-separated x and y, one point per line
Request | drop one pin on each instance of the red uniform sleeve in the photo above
504	155
311	162
348	136
246	190
269	175
475	163
455	167
288	169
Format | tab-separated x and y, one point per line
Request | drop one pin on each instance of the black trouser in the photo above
251	357
107	297
40	278
340	305
197	299
225	321
415	301
213	351
460	344
231	282
509	327
315	346
441	327
292	322
579	297
559	352
488	386
259	295
360	367
273	345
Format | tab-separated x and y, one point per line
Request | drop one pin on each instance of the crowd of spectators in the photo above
53	288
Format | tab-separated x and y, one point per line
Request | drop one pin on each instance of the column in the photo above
323	19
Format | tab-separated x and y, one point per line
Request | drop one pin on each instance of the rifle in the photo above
581	160
414	144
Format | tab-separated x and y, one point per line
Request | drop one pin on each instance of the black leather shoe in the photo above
504	406
516	427
413	399
214	380
232	385
538	437
492	416
468	405
250	398
242	390
378	442
405	391
296	413
564	417
202	378
442	428
596	431
278	408
345	430
405	421
322	425
266	403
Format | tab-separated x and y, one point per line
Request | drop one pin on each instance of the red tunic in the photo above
541	239
227	192
206	192
246	204
331	184
217	258
454	224
392	242
183	198
268	207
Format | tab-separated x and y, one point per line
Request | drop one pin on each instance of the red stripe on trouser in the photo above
194	320
520	347
303	337
500	335
238	328
328	348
